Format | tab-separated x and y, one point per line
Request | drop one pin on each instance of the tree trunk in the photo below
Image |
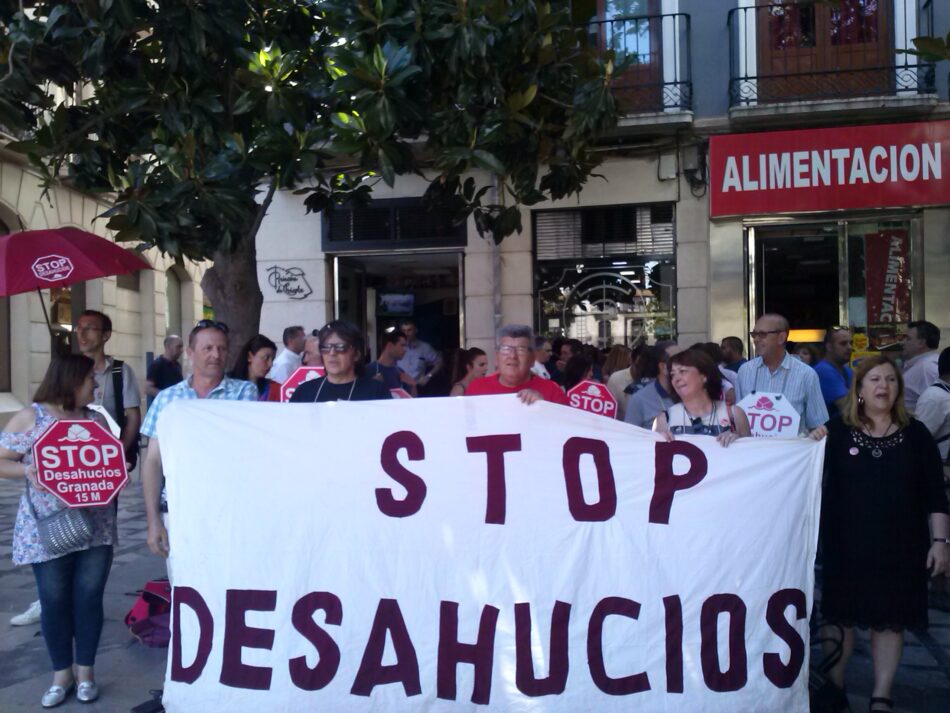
231	284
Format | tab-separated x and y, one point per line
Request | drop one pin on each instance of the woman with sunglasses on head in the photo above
253	363
342	347
698	407
70	584
884	523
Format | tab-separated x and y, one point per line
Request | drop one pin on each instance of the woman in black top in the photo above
883	481
342	346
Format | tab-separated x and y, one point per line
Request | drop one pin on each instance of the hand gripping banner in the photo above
477	553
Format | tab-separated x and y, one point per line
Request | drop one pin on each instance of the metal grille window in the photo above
605	231
390	223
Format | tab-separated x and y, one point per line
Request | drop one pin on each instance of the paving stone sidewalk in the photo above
127	670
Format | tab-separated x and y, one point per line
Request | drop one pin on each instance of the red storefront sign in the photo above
80	462
887	270
840	168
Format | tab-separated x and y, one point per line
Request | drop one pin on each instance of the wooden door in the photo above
634	31
860	46
818	51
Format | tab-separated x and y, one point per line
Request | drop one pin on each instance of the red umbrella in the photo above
40	259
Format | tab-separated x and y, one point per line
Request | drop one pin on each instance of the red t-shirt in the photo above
491	386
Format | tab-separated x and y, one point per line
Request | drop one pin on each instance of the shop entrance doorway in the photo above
857	273
377	290
797	274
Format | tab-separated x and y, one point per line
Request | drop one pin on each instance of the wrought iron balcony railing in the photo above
801	50
653	59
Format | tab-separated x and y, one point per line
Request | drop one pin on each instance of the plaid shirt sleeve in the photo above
150	422
816	412
247	392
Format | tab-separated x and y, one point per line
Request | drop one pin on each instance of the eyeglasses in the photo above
756	334
211	324
335	348
508	350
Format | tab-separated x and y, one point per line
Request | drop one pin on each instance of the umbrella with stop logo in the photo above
59	257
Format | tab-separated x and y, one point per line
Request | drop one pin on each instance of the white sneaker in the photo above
30	616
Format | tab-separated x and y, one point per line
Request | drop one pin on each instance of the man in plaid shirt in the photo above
208	352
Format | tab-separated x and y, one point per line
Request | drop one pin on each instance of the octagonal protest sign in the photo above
80	462
52	268
300	375
594	397
770	415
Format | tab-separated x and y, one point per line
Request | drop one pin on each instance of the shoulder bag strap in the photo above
117	365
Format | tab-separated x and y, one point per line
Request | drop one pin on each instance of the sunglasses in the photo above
335	348
756	334
211	324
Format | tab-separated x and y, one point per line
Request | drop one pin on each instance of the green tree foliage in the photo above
190	114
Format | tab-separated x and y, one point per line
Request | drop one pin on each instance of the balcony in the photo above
652	52
799	57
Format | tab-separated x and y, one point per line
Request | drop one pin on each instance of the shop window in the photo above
65	306
172	302
855	273
391	223
879	281
606	275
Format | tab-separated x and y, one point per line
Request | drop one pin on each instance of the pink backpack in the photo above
148	620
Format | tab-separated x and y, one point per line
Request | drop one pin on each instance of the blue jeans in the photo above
71	589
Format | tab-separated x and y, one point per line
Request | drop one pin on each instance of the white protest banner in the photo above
432	554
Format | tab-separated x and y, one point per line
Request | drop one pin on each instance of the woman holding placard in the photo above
883	482
698	408
70	583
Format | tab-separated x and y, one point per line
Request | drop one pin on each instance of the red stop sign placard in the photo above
300	375
594	397
80	462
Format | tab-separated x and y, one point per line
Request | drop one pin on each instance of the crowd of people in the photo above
885	526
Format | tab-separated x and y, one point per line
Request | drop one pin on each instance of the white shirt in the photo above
933	410
919	373
420	358
284	365
539	369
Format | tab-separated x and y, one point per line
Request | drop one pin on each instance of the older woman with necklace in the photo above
883	482
698	408
342	347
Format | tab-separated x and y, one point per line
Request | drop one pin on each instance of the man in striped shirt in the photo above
774	370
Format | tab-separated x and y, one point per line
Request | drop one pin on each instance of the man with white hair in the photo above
514	355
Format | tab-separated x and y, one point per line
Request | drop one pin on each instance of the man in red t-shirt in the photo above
514	356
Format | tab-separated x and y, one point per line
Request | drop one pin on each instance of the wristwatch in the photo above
944	540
